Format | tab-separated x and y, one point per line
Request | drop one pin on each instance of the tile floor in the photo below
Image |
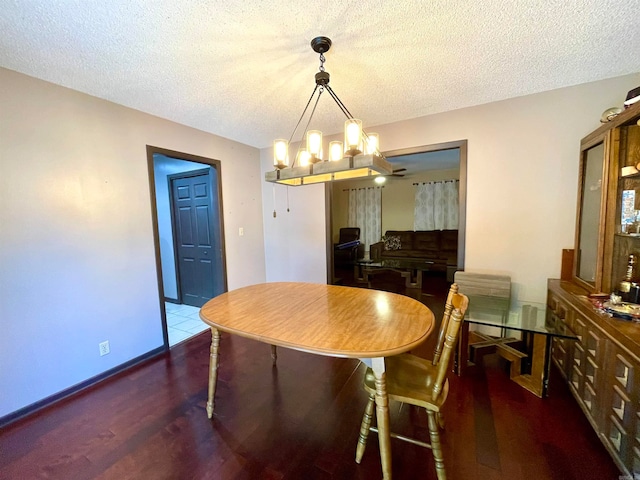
182	322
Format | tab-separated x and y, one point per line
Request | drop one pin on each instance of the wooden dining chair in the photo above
448	307
420	382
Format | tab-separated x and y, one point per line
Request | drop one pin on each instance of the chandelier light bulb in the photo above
314	144
280	153
372	144
353	137
303	158
335	151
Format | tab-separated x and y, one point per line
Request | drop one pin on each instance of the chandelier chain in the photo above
322	60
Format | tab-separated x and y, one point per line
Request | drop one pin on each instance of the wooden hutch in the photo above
602	368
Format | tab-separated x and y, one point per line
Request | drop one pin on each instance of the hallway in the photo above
183	322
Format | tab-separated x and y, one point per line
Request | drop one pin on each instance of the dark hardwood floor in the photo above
299	420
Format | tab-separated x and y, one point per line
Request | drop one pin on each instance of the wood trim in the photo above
156	242
566	271
435	147
603	209
604	139
123	369
462	145
627	116
213	163
611	206
328	229
462	203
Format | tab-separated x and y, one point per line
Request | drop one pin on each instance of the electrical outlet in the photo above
241	231
104	348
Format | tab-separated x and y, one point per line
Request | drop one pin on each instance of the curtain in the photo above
436	206
365	209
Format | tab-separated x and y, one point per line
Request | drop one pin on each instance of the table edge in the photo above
322	351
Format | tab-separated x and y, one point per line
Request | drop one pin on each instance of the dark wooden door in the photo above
197	240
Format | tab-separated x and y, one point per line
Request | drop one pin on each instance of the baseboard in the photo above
54	399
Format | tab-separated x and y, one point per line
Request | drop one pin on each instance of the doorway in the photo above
189	238
437	162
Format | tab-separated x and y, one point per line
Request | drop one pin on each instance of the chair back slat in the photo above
460	303
448	307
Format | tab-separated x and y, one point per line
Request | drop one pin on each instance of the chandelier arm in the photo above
306	128
342	106
303	112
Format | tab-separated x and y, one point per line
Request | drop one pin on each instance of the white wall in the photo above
77	260
295	240
522	179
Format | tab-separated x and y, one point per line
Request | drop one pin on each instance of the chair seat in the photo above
410	380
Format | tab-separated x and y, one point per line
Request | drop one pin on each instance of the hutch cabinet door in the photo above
592	202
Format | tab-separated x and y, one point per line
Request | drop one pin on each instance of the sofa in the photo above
438	246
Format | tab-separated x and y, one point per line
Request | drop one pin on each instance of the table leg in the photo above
362	274
357	272
462	357
540	362
538	380
213	369
413	278
382	416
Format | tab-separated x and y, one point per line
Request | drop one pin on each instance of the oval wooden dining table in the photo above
322	319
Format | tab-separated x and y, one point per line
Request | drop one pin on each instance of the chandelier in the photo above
359	156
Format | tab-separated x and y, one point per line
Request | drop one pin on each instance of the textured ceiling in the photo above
244	69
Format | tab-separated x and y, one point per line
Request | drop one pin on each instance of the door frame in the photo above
206	162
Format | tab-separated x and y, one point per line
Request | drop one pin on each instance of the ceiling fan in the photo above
396	172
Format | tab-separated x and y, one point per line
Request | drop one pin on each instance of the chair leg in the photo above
436	447
364	428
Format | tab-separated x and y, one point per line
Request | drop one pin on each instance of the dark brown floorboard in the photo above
297	421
